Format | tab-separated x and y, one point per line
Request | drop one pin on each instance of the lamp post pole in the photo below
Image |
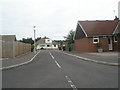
34	40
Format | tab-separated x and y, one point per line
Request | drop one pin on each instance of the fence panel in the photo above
13	49
21	48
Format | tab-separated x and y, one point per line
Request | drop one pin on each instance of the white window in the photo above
48	41
115	38
95	39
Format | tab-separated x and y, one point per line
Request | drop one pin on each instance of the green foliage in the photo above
69	38
98	45
38	39
28	40
61	42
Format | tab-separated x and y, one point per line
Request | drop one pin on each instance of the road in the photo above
53	69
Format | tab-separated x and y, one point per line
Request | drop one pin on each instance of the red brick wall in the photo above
119	43
116	45
104	44
87	45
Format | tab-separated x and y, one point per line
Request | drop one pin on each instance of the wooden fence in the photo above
14	48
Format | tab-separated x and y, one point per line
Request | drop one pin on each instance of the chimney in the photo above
116	18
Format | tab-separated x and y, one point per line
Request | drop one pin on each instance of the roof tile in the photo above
99	27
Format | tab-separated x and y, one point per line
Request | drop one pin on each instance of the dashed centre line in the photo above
51	55
58	64
71	83
68	79
55	60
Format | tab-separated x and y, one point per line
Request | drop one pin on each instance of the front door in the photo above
110	43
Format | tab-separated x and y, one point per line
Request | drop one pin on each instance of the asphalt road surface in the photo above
53	69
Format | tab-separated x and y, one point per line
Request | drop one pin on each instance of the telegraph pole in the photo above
34	40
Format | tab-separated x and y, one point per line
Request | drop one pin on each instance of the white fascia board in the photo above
116	27
75	32
83	29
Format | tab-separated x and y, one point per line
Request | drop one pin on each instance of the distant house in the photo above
91	34
46	43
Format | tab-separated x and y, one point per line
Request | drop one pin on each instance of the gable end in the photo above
79	32
117	29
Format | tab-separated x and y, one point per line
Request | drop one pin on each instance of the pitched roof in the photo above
99	27
41	41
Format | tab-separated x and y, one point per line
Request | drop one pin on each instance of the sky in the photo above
52	18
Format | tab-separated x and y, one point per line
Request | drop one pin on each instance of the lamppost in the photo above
34	40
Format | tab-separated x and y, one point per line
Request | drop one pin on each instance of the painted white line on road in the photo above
1	59
71	83
58	64
51	55
55	60
16	65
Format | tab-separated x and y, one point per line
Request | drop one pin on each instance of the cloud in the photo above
53	18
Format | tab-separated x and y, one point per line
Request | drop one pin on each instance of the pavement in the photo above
54	69
8	63
105	57
17	60
110	58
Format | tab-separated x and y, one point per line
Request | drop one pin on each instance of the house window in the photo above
54	45
95	39
115	38
48	45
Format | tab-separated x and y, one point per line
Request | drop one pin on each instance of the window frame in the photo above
115	39
97	38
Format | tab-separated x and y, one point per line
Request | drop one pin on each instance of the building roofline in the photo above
116	27
82	29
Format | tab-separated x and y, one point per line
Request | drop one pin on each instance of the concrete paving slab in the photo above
111	57
17	60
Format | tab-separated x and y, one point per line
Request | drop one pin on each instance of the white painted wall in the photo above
51	46
48	41
45	45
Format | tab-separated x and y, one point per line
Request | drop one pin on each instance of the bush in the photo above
98	45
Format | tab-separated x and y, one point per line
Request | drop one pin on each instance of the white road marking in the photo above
51	55
68	79
71	83
1	59
55	60
58	64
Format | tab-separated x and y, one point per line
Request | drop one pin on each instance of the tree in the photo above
61	42
28	40
69	38
37	39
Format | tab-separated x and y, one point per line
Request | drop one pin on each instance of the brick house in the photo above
90	33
